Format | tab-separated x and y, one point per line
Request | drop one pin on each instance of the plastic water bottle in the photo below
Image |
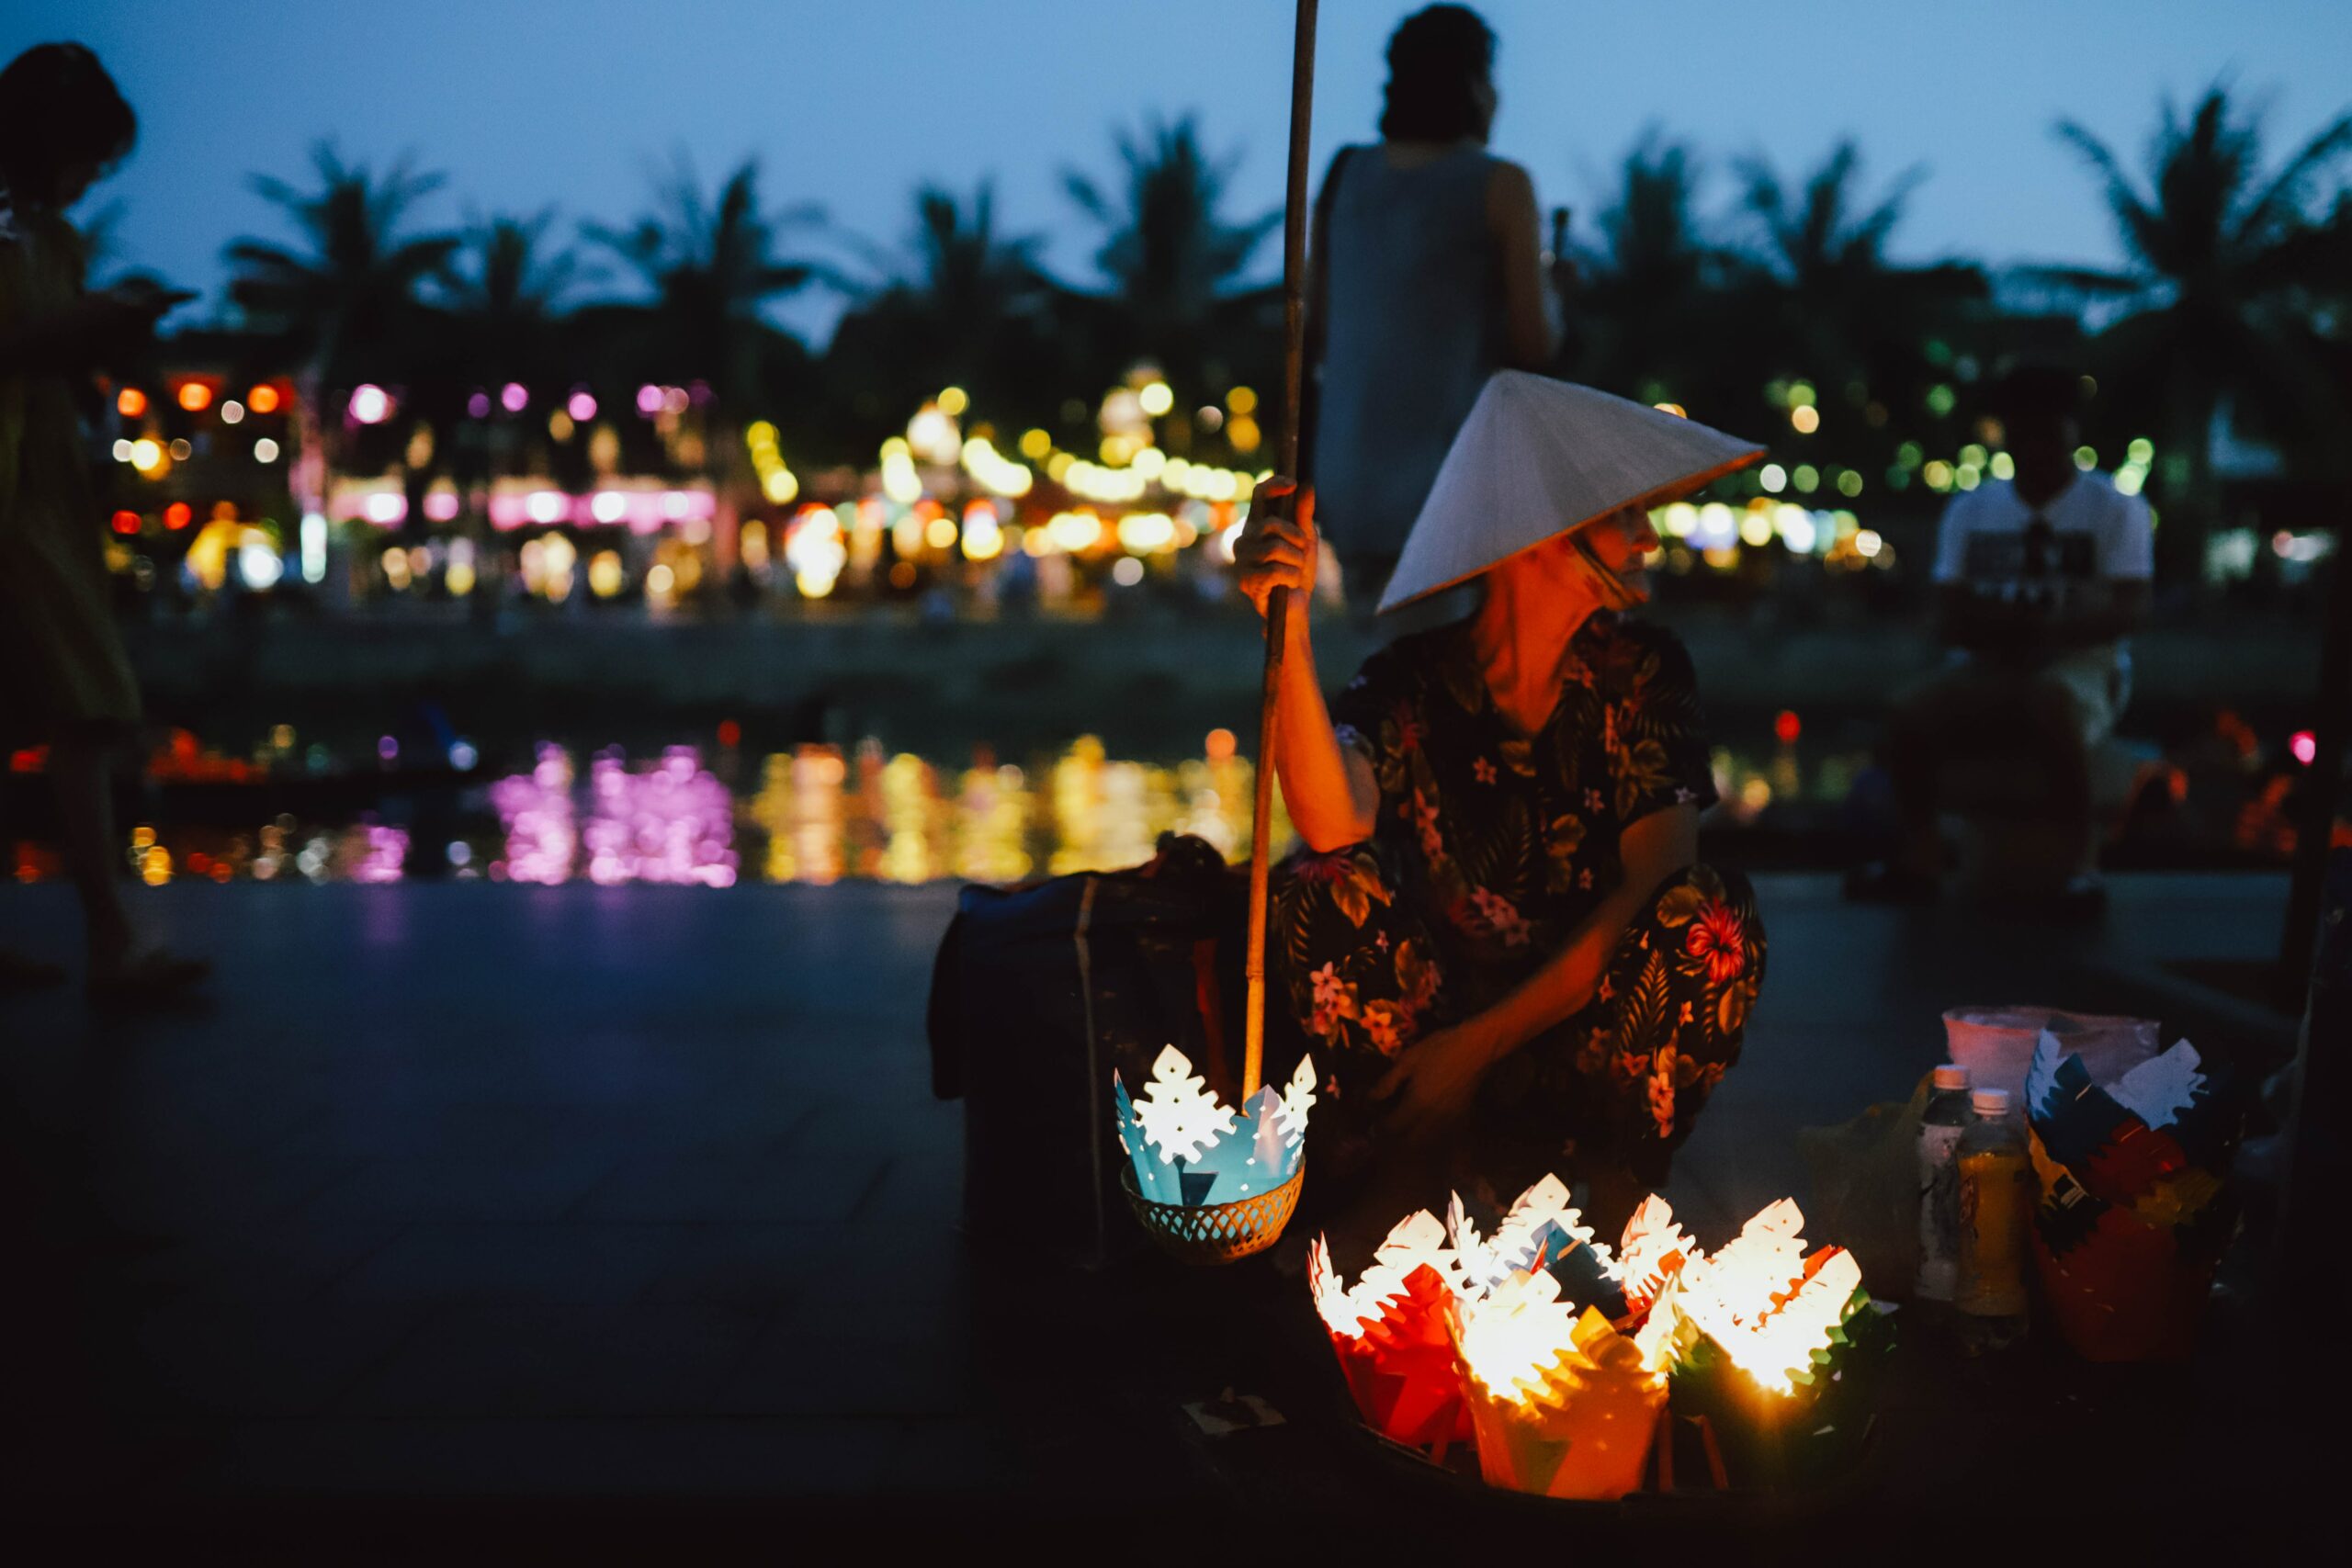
1996	1206
1939	1133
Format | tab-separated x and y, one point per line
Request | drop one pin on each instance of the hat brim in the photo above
1645	500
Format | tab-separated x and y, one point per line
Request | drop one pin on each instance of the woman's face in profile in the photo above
1621	545
1623	540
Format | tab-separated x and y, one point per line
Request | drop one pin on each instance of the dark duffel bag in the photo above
1037	993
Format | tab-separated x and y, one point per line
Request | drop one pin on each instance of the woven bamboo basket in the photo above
1216	1233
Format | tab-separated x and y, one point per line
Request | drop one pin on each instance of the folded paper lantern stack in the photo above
1563	1404
1211	1182
1775	1348
1391	1334
1564	1356
2136	1207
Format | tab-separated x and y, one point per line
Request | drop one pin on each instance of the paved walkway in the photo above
468	1190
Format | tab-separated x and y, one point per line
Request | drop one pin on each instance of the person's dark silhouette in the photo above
62	665
1425	278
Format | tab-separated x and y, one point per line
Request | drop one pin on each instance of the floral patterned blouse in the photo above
1508	841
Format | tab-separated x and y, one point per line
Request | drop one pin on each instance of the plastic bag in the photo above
1995	1044
1866	1188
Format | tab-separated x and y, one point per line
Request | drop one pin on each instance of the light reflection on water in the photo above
817	814
901	819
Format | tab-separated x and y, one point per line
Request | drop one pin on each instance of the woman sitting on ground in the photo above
1498	937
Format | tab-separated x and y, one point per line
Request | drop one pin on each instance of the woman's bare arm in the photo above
1654	848
1511	218
1333	798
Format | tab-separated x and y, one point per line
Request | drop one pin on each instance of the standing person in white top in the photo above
2038	579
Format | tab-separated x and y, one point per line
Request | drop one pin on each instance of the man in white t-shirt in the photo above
2038	579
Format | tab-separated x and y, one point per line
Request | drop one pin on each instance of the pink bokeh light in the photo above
542	829
675	823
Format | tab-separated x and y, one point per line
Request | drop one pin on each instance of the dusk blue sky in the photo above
849	103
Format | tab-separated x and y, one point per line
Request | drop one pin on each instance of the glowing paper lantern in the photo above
1771	1345
1652	1251
1211	1183
1541	1231
1395	1332
2135	1204
1392	1334
1561	1404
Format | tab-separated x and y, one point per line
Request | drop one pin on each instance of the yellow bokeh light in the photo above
1241	400
1035	445
1075	531
605	577
1805	418
983	537
1156	399
954	400
1145	533
940	534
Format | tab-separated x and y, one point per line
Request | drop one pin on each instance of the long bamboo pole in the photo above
1302	114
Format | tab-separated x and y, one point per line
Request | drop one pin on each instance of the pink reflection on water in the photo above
381	852
674	823
542	832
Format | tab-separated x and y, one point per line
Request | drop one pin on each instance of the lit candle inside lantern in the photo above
1754	1336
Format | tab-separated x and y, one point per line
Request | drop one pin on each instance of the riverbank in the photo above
1150	683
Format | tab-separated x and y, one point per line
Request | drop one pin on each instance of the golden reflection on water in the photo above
900	818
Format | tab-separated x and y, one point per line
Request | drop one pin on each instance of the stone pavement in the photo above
493	1193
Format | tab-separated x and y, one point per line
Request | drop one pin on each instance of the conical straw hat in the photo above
1538	458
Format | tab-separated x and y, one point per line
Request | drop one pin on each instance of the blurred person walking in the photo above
2040	578
1426	277
63	670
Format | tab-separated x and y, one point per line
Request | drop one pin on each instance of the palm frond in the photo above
2137	222
2282	199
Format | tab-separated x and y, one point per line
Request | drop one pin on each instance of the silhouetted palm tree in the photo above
1175	265
2224	264
1648	313
498	322
338	304
356	277
713	267
506	286
1842	310
966	306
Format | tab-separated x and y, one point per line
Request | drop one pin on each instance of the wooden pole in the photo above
1302	114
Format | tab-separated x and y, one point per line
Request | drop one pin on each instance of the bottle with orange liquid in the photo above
1996	1206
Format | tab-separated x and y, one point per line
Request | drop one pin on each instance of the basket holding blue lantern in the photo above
1210	1183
